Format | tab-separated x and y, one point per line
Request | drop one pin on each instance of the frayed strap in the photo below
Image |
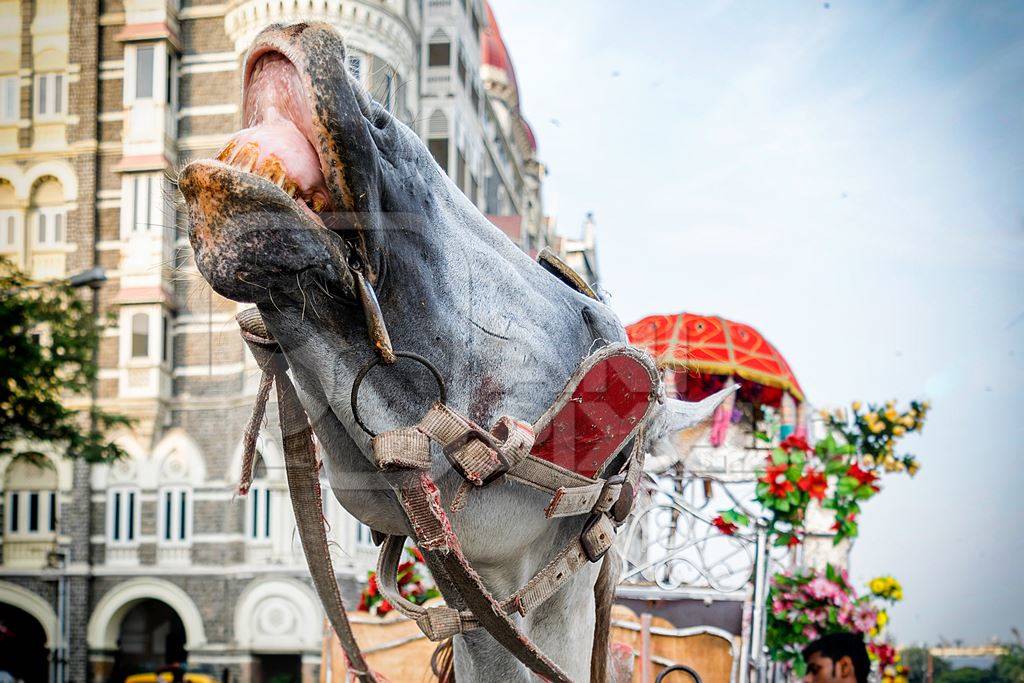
252	431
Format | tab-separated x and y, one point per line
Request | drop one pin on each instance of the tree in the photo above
966	675
916	660
1009	667
48	342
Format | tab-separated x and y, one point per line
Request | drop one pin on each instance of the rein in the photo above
545	456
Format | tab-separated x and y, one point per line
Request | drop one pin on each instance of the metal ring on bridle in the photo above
365	370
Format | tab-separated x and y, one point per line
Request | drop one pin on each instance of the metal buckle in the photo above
474	432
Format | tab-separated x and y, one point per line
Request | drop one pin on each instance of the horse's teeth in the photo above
225	154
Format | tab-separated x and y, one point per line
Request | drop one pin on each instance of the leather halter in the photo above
604	406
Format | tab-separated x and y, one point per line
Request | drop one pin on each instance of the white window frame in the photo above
142	203
10	99
123	510
11	229
259	513
48	88
160	81
180	535
54	223
18	514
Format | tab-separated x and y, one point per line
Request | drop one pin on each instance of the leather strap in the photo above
437	541
304	486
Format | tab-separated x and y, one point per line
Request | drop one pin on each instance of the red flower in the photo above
362	603
813	483
727	528
862	476
371	586
795	442
792	540
778	485
383	608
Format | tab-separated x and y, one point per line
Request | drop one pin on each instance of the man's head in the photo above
837	658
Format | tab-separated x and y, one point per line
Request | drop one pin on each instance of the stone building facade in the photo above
153	559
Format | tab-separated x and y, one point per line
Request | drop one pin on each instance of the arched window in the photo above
49	216
10	222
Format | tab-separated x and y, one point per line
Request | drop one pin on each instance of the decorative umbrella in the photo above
710	352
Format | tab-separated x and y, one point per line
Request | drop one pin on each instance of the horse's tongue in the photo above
281	139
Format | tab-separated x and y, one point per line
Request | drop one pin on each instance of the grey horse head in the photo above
326	199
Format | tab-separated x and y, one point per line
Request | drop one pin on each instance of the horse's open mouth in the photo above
278	141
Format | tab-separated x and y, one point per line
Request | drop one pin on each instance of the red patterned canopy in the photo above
714	346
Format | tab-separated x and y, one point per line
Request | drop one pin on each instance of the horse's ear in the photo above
674	415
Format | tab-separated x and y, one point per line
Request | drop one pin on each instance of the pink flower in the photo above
821	588
810	633
865	620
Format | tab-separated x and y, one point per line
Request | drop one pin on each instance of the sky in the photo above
848	178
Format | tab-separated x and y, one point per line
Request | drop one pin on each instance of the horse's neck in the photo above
562	628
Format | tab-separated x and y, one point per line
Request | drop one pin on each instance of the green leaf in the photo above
779	457
761	436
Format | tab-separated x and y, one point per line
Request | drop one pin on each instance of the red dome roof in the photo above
529	134
492	48
714	346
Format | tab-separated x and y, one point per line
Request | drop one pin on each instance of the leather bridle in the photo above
481	457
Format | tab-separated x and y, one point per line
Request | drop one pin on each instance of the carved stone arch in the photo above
131	469
178	459
61	170
32	604
25	473
110	611
267	449
8	191
278	614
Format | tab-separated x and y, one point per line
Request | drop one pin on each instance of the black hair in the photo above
835	646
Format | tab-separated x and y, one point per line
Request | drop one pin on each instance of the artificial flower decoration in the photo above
805	605
410	585
814	484
727	528
840	471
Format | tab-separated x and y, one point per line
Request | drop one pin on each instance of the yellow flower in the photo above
913	467
855	405
899	430
876	427
878	584
824	414
871	417
869	461
907	421
891	414
882	619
